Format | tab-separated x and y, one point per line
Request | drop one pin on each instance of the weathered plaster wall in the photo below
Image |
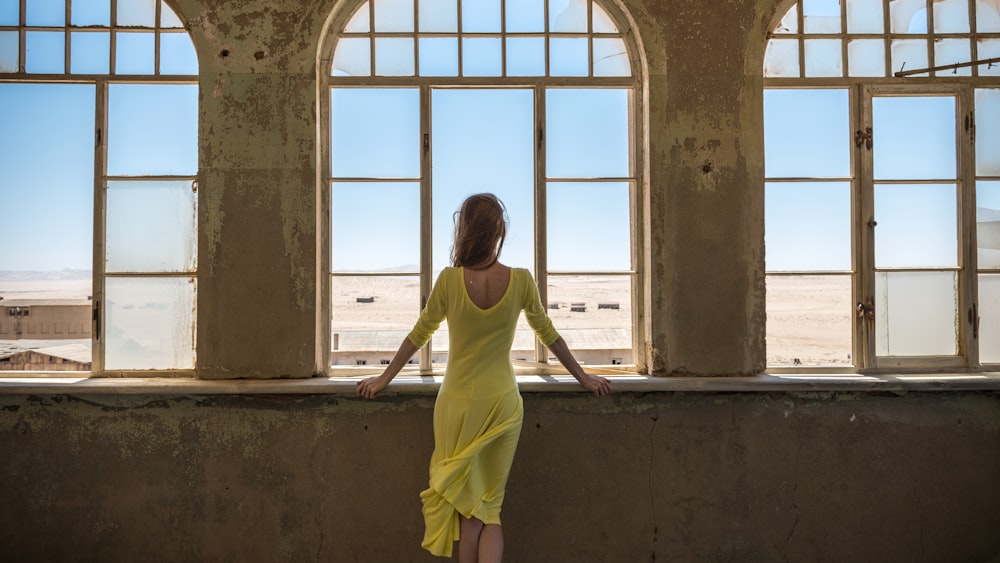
640	477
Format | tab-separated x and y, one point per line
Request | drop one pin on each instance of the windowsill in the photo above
428	384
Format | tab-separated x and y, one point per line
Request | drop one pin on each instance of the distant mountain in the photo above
34	275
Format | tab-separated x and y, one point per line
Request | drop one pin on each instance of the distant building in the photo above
68	357
45	319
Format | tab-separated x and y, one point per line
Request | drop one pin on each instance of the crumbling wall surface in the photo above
639	477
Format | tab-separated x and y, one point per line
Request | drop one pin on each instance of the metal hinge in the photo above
974	320
863	137
97	320
866	311
427	142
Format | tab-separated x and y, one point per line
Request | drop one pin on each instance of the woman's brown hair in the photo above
480	229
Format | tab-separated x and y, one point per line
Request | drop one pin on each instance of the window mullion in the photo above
100	222
864	237
426	214
967	224
541	251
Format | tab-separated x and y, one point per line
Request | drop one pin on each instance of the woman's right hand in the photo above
597	385
370	387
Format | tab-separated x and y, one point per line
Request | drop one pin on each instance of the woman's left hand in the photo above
597	385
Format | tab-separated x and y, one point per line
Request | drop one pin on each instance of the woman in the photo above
478	412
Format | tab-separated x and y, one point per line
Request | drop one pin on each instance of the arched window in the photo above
434	100
882	165
98	101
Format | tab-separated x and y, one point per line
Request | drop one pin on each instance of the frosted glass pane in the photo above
438	15
951	16
10	12
916	313
525	16
587	133
952	51
438	56
781	60
394	56
90	53
177	55
568	56
371	314
807	133
149	323
583	309
360	22
989	318
393	15
151	227
866	57
988	224
134	53
352	57
611	58
987	16
45	52
809	321
807	226
568	16
824	57
908	16
525	56
790	21
481	56
10	46
602	22
821	16
91	12
137	13
908	148
168	19
144	142
45	13
917	226
989	49
375	133
356	246
573	211
909	54
865	16
484	141
480	16
988	138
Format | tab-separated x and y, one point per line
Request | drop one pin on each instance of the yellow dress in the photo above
478	412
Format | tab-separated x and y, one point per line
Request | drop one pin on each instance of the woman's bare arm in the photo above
597	385
370	387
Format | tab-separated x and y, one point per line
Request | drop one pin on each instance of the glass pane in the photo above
866	57
90	52
790	21
480	16
568	16
438	56
525	56
573	210
952	51
45	52
989	318
988	224
568	56
864	16
909	54
375	132
525	15
824	57
916	313
370	316
602	22
988	138
809	321
917	226
10	46
144	142
140	13
149	323
821	16
151	226
352	57
168	19
908	16
484	142
45	13
177	55
807	226
134	53
438	15
951	16
987	16
587	133
395	246
361	20
807	133
781	60
611	58
989	49
908	148
393	15
91	12
394	56
594	315
10	13
481	56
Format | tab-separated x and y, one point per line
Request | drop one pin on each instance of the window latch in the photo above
97	320
427	142
863	137
974	321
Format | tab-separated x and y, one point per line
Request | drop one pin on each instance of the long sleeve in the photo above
535	313
434	312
